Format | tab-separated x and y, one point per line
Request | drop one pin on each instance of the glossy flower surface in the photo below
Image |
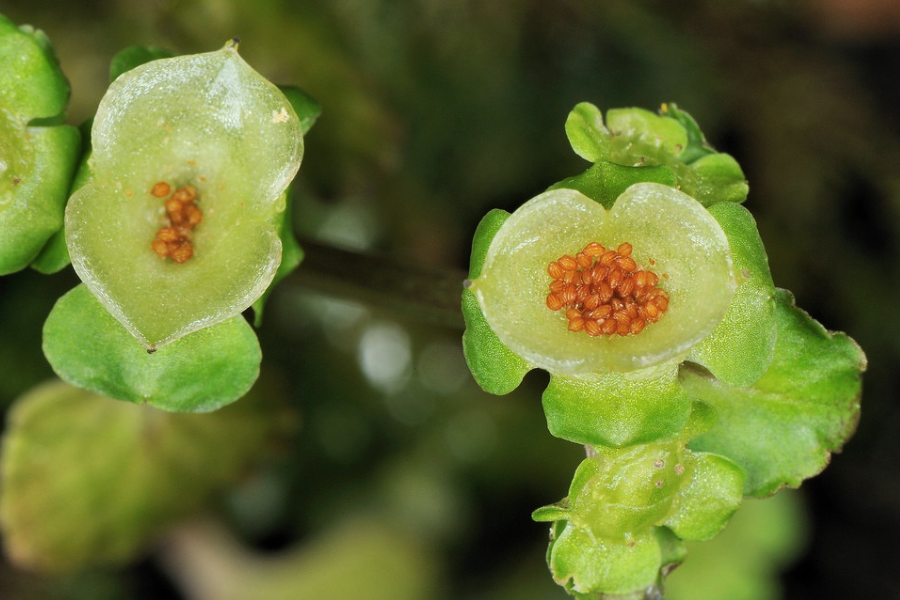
206	123
670	233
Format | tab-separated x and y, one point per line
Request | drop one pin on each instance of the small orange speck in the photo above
161	189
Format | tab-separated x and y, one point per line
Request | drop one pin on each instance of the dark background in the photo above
436	111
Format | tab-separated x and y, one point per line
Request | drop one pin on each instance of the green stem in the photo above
410	290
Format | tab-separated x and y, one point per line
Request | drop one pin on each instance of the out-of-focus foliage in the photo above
435	111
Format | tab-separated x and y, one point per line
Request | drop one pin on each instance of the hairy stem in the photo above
410	290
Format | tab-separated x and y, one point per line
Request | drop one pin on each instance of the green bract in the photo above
634	137
209	121
663	225
605	538
38	153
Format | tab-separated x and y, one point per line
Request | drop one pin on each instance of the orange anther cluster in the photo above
174	240
603	292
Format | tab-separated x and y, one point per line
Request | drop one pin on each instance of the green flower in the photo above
673	237
613	534
38	153
178	228
607	389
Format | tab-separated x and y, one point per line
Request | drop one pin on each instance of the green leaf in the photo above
740	348
783	429
496	368
134	56
605	181
87	481
209	121
617	409
201	372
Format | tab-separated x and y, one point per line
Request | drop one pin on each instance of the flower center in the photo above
174	240
603	292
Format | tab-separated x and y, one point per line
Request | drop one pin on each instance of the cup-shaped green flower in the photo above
577	289
608	535
177	229
38	153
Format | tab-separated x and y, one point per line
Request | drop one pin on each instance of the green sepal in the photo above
200	372
87	481
291	255
307	108
496	368
783	428
606	181
740	348
134	56
617	409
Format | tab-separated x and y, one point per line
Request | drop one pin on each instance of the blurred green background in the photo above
404	477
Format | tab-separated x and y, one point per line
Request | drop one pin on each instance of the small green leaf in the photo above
496	368
605	181
88	481
740	348
586	132
617	409
201	372
134	56
783	428
54	256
